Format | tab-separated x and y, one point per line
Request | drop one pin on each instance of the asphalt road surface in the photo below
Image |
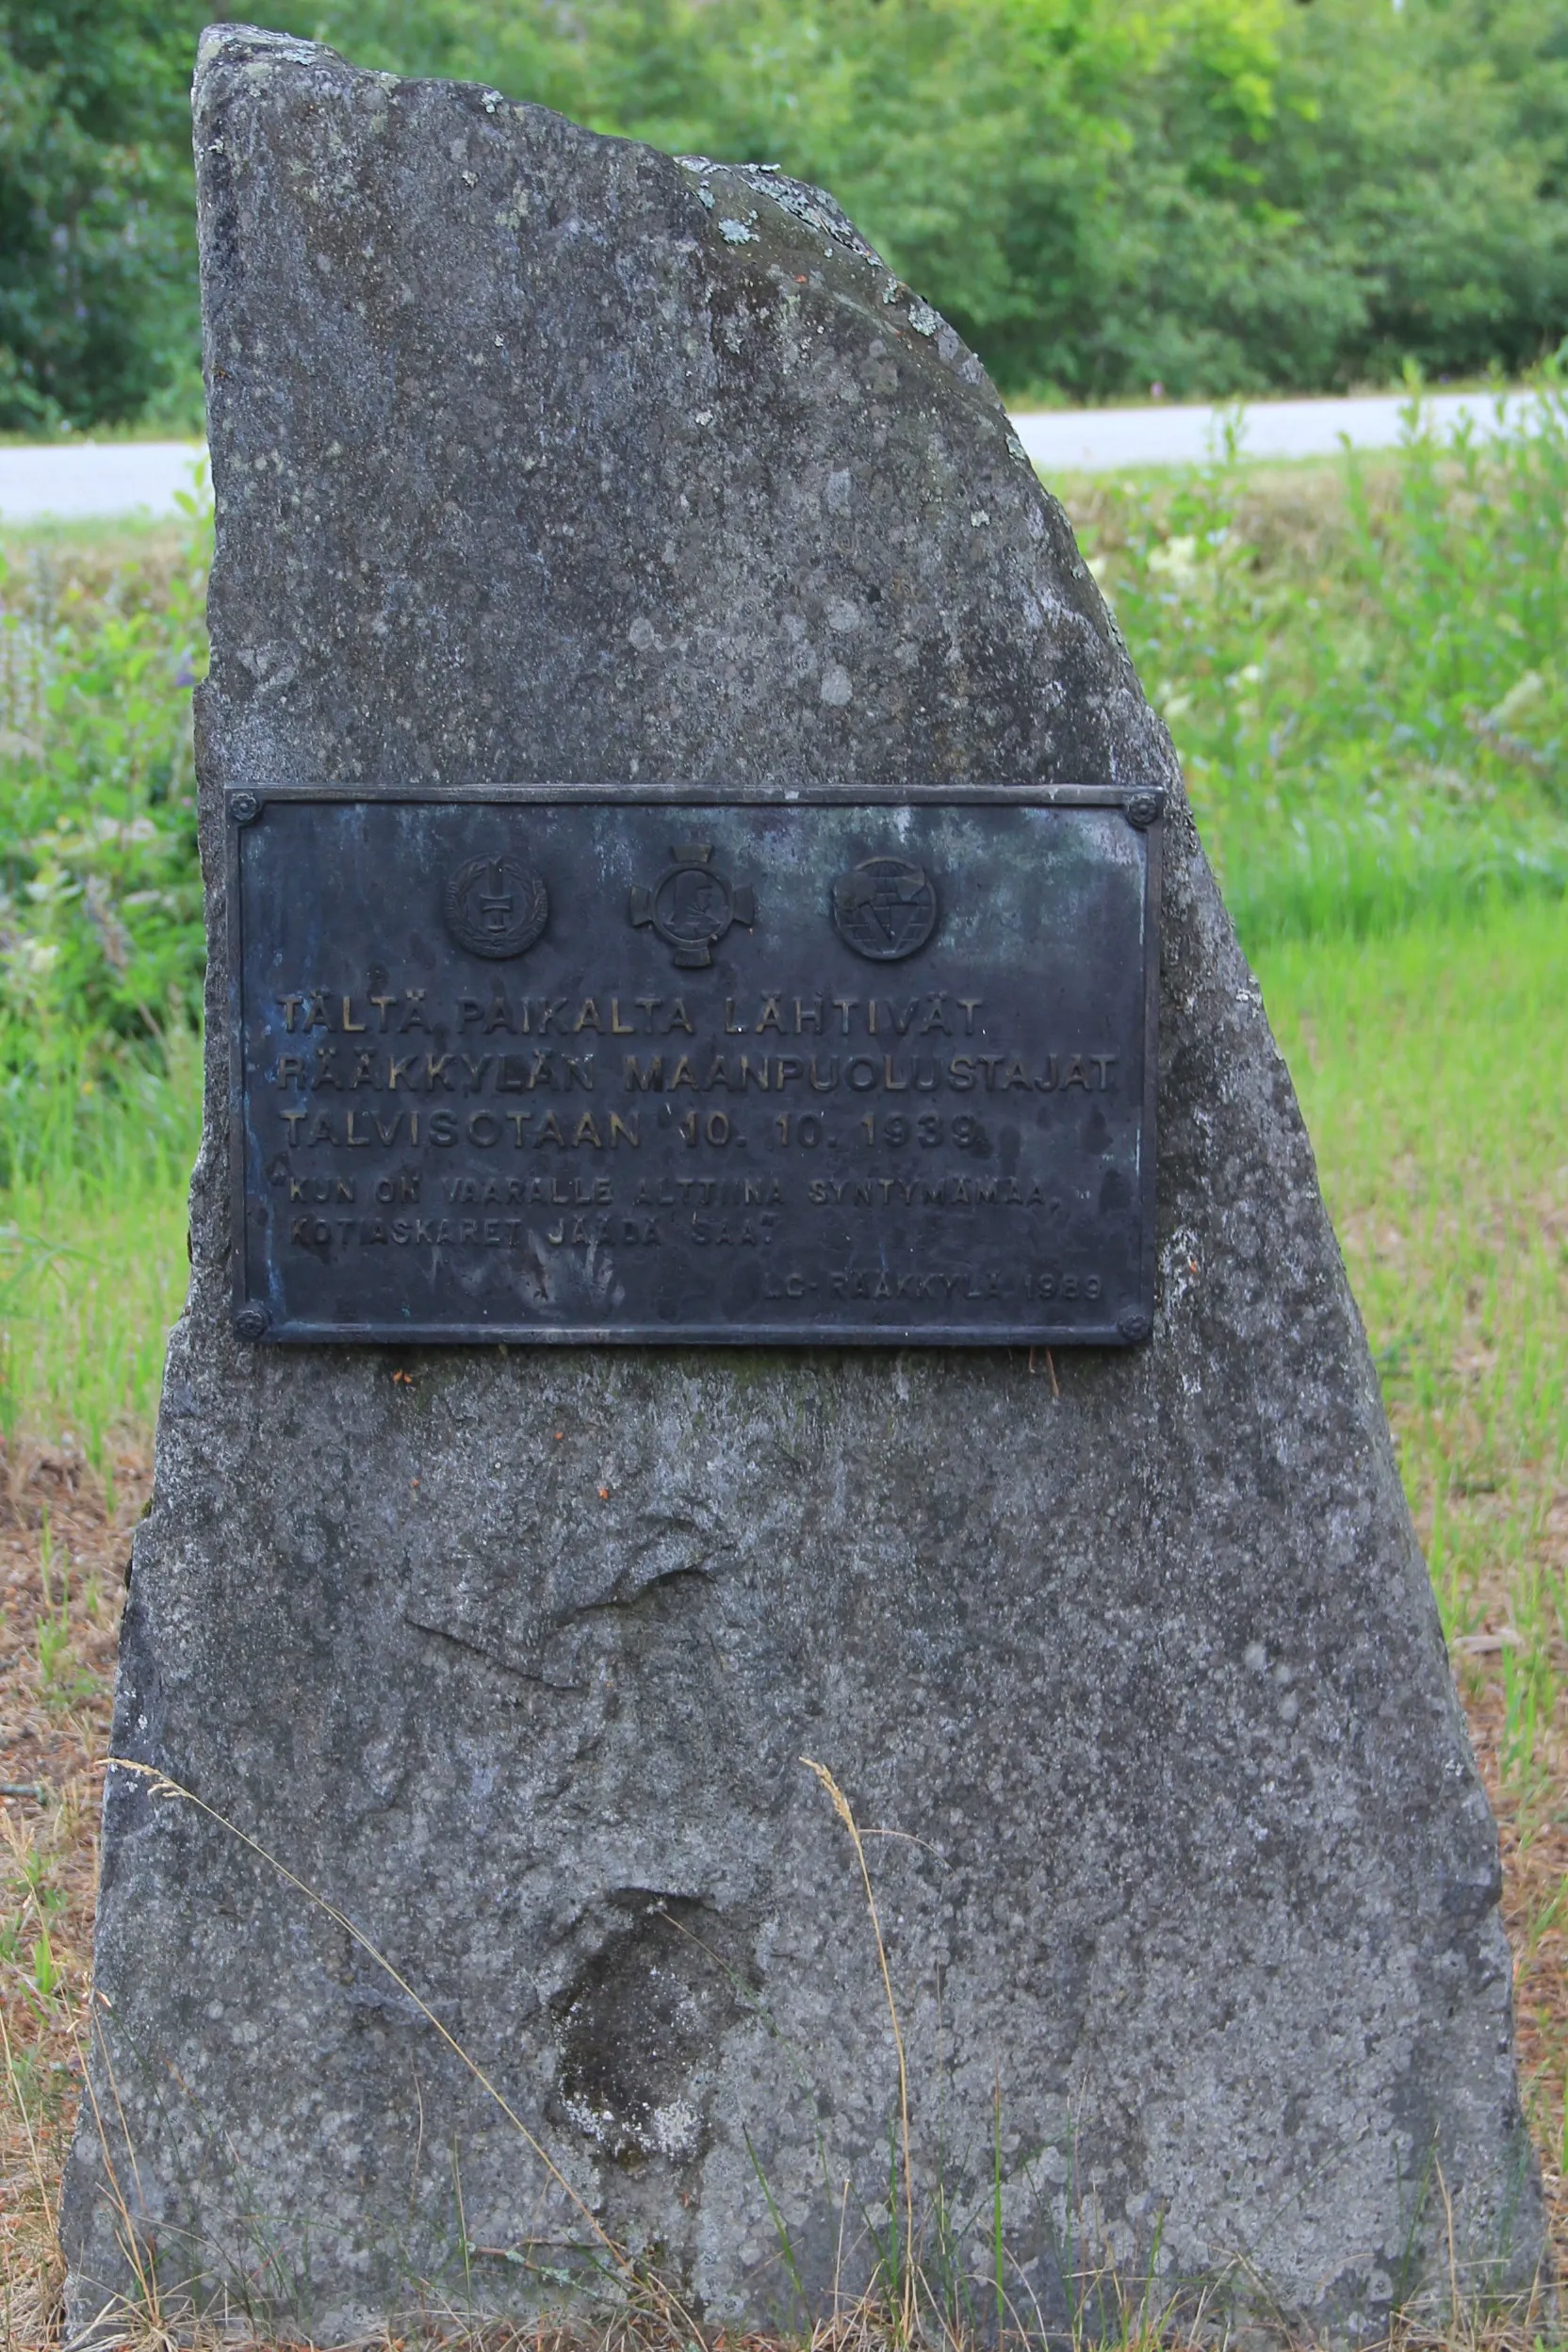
1100	440
83	479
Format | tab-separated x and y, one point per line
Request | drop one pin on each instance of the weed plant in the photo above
1372	707
101	951
101	963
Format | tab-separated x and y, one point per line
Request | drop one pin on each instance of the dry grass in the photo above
62	1563
1296	517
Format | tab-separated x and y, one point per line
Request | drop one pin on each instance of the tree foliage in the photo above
97	314
1220	196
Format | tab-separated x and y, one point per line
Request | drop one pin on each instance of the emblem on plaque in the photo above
495	906
692	904
885	908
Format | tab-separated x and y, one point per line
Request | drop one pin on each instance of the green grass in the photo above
92	1264
1432	1069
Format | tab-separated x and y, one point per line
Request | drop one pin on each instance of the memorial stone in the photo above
639	644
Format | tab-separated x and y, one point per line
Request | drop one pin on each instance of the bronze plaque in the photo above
565	1065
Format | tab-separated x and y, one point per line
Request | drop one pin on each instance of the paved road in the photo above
1098	440
86	478
122	477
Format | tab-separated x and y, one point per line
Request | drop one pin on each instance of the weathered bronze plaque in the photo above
569	1065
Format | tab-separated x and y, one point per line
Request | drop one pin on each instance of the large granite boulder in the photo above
540	455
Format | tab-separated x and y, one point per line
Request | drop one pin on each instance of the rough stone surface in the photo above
541	455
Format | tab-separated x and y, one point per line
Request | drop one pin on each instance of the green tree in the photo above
1223	196
1428	150
96	250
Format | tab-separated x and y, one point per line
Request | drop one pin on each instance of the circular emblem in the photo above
494	905
692	904
885	908
251	1322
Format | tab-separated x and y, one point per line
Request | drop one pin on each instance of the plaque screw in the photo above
244	808
250	1323
1134	1326
1143	807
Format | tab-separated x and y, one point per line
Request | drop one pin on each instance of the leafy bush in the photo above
100	941
1372	712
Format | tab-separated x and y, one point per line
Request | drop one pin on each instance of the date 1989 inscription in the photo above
554	1069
